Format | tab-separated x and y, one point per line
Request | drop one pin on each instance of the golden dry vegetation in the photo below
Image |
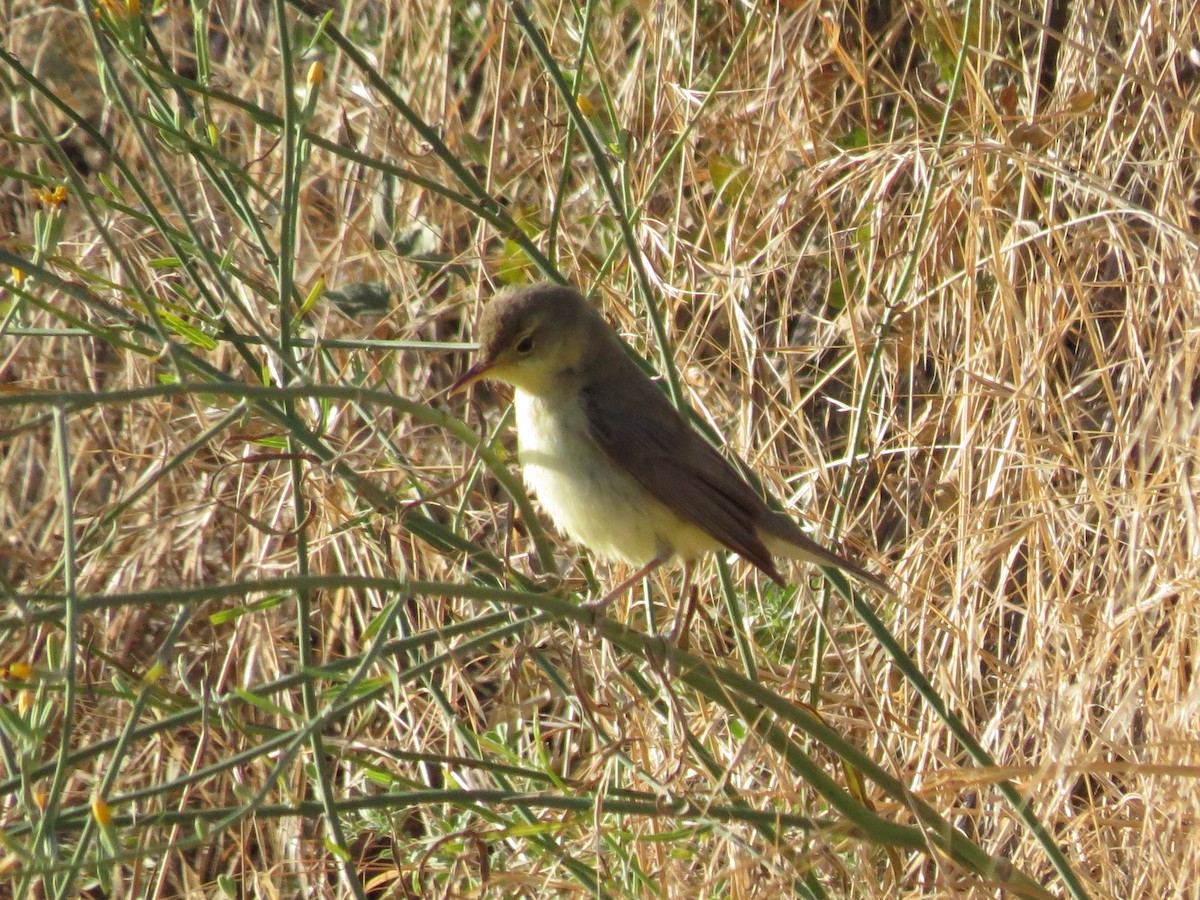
274	619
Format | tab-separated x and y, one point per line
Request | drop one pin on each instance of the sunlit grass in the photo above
279	615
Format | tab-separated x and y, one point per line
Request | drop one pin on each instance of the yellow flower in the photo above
55	198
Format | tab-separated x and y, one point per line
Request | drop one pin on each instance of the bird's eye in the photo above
525	344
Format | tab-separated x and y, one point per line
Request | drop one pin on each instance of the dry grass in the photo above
254	625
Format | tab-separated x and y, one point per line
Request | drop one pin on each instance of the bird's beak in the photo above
472	375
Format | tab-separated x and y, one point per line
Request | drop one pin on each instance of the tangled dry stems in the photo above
1026	471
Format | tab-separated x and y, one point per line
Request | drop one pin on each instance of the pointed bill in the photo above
472	375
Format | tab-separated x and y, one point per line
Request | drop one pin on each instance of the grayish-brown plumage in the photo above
607	454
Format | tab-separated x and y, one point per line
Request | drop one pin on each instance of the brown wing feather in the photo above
639	430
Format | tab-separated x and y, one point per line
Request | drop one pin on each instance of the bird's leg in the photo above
633	579
686	607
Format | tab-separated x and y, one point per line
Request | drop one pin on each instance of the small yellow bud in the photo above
316	74
102	811
154	674
20	670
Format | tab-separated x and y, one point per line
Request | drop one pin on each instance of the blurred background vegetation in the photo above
278	617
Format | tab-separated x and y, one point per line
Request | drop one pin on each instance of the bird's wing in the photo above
640	431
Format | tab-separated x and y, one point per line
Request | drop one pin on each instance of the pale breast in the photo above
589	499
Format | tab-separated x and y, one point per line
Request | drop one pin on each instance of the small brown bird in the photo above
610	458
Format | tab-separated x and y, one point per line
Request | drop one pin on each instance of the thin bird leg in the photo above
633	579
686	607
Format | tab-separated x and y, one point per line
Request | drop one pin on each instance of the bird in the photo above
609	457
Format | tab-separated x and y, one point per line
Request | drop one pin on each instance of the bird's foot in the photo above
597	607
678	634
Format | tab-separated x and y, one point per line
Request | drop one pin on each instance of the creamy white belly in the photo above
600	507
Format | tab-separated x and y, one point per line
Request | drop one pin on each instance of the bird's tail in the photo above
783	537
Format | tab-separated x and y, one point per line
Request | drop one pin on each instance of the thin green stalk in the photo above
294	153
46	837
620	208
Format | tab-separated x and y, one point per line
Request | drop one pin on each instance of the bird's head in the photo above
535	338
